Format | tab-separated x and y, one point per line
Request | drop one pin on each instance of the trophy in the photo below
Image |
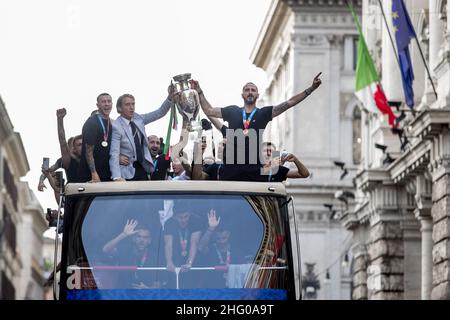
188	102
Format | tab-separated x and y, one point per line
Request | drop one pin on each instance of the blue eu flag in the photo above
404	31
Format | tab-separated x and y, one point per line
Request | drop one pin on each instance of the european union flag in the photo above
404	32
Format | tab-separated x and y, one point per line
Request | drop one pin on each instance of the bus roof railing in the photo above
200	186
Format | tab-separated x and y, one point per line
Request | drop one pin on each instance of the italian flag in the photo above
368	88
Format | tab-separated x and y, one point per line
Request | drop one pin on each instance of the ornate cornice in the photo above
323	3
6	127
329	16
428	124
17	158
276	18
12	142
352	219
431	126
411	163
366	180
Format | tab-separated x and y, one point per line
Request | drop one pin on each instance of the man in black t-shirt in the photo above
94	165
247	126
181	236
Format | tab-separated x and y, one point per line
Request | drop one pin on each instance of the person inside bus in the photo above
215	250
139	255
181	236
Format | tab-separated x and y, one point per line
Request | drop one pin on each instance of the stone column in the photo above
448	18
426	227
359	272
436	35
440	212
386	262
423	33
423	214
412	256
386	248
390	70
447	29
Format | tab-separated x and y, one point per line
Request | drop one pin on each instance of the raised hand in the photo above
128	230
213	222
195	85
317	82
61	113
288	158
172	92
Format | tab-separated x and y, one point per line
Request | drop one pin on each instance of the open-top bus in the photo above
101	223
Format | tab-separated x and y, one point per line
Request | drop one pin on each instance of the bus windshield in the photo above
176	246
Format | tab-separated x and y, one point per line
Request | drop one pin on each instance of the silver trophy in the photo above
188	103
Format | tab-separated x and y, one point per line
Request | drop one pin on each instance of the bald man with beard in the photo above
161	164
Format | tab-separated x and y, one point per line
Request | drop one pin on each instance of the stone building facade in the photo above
401	221
298	40
21	220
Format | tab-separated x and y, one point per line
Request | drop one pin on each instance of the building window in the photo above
355	52
8	181
9	230
356	135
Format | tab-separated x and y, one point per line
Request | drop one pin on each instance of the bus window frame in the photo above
68	215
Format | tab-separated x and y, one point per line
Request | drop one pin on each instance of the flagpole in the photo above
426	66
390	36
418	45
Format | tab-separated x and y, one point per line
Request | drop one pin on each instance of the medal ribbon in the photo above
219	255
246	120
143	259
141	264
105	131
183	242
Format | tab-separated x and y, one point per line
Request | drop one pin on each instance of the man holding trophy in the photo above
246	127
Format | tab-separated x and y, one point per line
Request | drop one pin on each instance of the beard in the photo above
250	99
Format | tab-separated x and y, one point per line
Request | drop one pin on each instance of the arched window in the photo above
356	135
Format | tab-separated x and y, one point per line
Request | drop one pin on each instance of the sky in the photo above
63	53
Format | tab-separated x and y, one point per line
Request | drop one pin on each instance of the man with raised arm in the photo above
70	154
247	126
129	139
139	255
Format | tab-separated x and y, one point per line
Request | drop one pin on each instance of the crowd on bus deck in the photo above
120	150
